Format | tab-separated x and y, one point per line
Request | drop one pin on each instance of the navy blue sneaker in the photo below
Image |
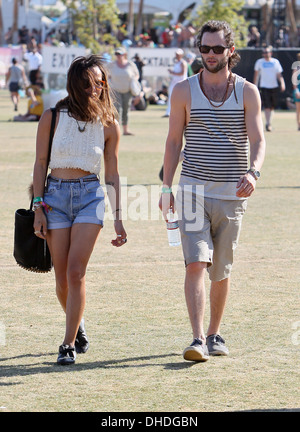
216	345
66	355
81	341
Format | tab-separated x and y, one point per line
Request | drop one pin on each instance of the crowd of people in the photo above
178	35
122	71
256	38
172	36
25	36
30	78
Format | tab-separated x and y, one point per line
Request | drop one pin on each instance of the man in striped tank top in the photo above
219	113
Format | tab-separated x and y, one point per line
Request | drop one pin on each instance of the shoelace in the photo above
197	341
66	349
218	338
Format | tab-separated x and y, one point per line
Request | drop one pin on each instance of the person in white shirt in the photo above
268	77
35	61
179	73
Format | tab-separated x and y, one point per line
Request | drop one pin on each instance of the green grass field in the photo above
135	314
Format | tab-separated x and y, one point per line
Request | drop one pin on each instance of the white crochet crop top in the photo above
74	149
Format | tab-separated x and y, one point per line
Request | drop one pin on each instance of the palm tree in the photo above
140	18
1	25
15	21
291	12
130	19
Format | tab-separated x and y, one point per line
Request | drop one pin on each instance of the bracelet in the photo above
40	204
166	190
36	206
37	199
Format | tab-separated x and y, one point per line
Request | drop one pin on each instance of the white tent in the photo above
28	17
174	7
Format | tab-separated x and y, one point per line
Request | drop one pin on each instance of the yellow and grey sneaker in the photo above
197	351
216	345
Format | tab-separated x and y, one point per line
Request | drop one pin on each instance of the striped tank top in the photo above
216	149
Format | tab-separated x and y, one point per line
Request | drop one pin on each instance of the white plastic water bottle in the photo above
173	230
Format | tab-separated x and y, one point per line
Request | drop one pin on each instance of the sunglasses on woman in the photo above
99	84
217	49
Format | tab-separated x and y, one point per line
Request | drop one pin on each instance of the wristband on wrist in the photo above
37	199
41	204
36	206
166	190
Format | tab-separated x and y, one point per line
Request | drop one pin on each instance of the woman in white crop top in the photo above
69	211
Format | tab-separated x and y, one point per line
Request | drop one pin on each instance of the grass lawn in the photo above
135	314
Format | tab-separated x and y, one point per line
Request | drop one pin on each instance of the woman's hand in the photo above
40	223
121	234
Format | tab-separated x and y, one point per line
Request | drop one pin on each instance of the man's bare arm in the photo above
254	125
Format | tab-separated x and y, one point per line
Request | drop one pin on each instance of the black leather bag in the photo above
31	252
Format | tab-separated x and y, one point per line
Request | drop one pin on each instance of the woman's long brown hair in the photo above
79	103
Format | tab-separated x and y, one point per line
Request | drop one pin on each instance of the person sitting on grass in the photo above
35	106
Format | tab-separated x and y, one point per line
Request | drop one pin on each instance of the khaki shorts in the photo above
213	235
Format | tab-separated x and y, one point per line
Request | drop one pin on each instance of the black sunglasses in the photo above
217	49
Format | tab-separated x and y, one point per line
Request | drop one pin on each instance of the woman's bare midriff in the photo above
69	173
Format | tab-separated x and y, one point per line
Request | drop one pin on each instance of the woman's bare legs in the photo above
15	97
71	249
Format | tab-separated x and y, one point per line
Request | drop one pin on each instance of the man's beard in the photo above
221	64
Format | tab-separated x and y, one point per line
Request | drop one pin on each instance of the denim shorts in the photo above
74	201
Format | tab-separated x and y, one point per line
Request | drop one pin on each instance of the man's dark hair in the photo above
214	26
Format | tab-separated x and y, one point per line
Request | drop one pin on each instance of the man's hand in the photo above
166	203
245	186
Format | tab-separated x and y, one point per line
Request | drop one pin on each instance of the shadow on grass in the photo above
19	370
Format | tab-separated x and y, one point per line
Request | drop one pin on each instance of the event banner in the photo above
157	60
58	59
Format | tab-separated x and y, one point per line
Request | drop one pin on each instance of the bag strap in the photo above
51	133
53	120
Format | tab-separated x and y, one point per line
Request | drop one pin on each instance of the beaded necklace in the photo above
225	94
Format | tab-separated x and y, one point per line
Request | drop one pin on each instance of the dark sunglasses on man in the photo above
217	49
